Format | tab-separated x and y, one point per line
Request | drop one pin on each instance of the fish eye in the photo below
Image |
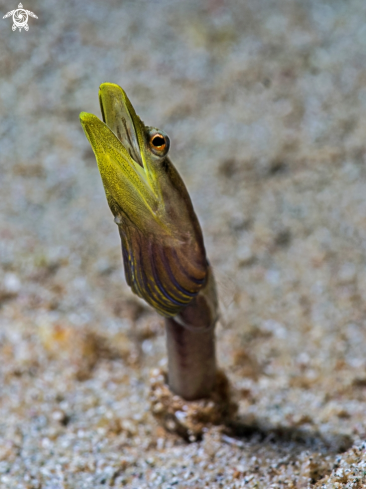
158	141
159	144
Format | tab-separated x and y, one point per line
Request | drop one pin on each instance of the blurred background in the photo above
264	102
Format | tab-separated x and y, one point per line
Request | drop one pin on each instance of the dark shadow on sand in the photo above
327	443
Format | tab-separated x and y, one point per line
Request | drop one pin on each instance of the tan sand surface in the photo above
265	105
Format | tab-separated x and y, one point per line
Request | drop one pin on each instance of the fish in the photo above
163	250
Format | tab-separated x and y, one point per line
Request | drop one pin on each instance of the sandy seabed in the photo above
265	105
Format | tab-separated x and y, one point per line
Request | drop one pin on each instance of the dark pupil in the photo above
158	141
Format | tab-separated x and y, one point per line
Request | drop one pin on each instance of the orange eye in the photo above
158	142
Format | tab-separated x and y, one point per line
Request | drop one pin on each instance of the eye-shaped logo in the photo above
20	18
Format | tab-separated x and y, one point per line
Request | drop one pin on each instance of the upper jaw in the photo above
119	115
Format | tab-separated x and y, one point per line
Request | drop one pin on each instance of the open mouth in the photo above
130	155
119	144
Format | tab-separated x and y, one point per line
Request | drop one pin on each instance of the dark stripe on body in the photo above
197	281
157	280
172	277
